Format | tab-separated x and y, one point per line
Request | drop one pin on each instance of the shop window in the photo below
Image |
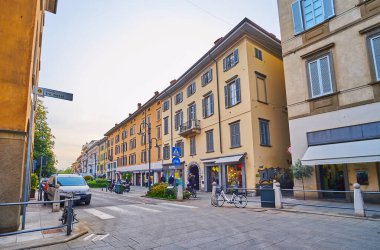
362	177
234	176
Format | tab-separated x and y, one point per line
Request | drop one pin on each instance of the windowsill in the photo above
208	116
193	155
267	146
232	147
323	96
210	151
266	103
233	105
374	83
204	85
315	26
230	67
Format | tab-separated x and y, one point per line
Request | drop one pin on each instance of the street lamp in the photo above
146	128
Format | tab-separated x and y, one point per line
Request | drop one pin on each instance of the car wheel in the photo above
87	202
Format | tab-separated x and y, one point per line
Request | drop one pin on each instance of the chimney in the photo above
173	81
218	40
130	114
138	105
156	93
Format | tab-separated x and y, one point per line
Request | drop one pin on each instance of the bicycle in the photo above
192	191
68	217
240	200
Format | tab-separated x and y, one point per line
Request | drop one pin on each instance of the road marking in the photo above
88	237
145	208
161	206
100	237
118	209
98	213
177	205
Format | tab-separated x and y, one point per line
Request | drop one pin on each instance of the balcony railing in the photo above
190	128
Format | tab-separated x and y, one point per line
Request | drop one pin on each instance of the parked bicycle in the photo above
239	200
68	217
193	191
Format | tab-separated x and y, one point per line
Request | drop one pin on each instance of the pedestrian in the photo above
46	185
163	179
171	180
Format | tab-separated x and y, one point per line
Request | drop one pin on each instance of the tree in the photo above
66	171
300	172
43	141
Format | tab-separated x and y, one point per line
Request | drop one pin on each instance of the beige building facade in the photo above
227	113
331	51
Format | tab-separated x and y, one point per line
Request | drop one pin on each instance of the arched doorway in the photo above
194	170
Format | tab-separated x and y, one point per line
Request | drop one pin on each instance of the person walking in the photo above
46	185
163	179
171	180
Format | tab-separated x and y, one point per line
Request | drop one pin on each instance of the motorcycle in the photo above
127	187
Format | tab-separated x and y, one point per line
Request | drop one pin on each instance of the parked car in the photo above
67	184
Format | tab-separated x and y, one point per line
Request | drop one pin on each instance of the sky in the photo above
113	54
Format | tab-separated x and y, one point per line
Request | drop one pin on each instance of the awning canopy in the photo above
224	159
339	153
140	168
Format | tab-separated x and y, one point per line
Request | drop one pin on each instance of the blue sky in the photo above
112	54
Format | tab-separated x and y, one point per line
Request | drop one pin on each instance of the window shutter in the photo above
375	42
328	8
326	75
238	92
212	104
226	96
203	78
204	107
224	64
236	56
210	75
188	90
297	17
315	88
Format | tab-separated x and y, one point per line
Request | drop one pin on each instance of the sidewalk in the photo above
38	216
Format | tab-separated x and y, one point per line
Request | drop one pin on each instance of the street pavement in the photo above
129	221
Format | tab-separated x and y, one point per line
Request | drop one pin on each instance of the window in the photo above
258	54
132	143
208	105
132	159
158	136
158	114
206	77
191	89
319	76
166	125
231	60
132	130
375	54
180	144
235	134
166	152
261	88
178	98
191	113
166	105
264	132
143	156
124	135
117	138
148	119
192	146
178	119
232	93
308	13
158	152
143	139
210	141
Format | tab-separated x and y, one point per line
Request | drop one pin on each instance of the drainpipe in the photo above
217	89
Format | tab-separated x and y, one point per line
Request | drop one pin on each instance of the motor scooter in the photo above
127	187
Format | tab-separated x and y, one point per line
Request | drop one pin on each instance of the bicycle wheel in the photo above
220	201
240	201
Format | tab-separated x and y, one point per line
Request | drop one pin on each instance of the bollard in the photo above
55	206
358	201
213	189
277	196
180	193
274	184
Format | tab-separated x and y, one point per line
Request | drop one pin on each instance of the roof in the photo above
245	27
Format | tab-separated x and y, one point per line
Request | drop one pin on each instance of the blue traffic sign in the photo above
176	161
176	152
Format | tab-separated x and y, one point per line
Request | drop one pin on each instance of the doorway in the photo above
333	178
194	170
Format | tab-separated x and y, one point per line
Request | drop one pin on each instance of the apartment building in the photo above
228	113
102	158
21	29
128	144
331	51
93	158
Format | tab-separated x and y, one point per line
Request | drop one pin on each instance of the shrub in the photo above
160	190
171	193
33	181
98	183
87	178
186	194
124	176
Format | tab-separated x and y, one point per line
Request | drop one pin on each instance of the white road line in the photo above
88	237
161	206
145	208
177	205
118	209
100	237
98	213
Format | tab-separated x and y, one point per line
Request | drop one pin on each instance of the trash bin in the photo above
267	196
118	188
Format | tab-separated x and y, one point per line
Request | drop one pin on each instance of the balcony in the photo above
190	128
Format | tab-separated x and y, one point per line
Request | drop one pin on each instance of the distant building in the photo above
331	51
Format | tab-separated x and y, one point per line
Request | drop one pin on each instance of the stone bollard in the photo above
55	206
180	193
277	196
274	184
358	201
213	193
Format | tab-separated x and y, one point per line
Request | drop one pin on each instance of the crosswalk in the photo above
112	212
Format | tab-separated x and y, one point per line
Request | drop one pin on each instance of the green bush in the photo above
97	183
160	190
87	178
186	194
33	181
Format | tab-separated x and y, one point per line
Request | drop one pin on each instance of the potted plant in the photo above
33	185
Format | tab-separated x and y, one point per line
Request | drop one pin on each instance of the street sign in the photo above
176	152
53	93
176	161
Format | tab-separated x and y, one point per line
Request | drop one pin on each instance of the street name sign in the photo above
53	93
176	152
176	161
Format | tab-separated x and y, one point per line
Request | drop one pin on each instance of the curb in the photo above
82	230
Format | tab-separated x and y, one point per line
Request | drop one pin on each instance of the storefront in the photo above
176	172
228	171
140	173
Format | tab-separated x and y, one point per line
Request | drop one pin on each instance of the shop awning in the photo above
339	153
225	159
155	166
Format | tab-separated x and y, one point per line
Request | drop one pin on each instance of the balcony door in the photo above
191	114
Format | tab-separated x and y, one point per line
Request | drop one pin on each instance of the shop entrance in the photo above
194	170
332	178
212	176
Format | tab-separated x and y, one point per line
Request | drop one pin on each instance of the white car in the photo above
67	184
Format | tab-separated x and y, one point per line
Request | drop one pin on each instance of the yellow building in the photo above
128	147
21	28
228	113
102	157
331	53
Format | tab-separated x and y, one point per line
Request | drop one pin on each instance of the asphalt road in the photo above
129	221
